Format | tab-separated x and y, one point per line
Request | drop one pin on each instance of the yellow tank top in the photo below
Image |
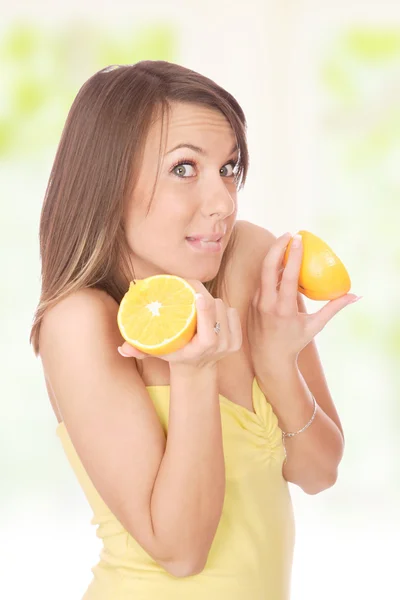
251	554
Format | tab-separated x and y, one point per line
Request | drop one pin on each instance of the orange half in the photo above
322	276
158	314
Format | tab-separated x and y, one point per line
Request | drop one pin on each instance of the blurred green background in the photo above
326	160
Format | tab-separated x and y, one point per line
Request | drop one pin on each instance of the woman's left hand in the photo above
276	330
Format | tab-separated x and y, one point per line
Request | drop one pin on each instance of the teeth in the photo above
208	241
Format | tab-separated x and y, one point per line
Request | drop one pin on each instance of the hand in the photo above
276	328
206	347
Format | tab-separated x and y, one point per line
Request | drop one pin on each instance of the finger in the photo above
327	312
224	337
206	318
128	351
235	327
287	297
205	334
269	272
280	273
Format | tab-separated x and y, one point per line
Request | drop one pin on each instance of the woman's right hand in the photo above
206	347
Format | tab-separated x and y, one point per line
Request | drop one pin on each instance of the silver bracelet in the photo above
305	426
285	435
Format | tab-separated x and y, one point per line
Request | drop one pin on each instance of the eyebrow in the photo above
197	148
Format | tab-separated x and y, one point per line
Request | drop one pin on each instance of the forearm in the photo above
313	456
189	490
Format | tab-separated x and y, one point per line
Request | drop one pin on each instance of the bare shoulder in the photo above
80	329
73	318
78	307
252	245
254	239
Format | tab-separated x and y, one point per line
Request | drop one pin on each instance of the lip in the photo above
214	237
197	246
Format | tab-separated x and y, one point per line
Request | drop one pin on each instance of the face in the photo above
196	197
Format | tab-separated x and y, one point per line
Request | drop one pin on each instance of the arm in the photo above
168	494
313	456
189	490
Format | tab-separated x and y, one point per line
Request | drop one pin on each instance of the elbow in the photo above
198	566
185	568
319	485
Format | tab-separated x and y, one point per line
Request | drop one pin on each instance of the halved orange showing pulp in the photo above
158	314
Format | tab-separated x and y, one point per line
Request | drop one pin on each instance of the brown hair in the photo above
82	239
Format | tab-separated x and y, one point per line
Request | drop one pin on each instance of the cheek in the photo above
175	205
167	218
157	233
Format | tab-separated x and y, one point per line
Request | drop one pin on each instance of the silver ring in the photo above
217	327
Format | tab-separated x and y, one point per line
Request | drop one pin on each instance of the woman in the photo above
181	457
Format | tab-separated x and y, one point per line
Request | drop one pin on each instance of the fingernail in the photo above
122	353
296	241
200	301
356	299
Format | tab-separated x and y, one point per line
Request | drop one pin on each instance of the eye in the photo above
181	169
230	172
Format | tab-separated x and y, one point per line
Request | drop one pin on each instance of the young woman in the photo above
181	457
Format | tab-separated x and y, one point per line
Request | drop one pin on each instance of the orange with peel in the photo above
322	276
157	315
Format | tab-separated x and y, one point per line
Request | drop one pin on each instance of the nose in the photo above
217	199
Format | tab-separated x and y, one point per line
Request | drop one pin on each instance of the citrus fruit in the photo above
322	276
157	315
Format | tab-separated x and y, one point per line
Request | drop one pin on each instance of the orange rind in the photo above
322	276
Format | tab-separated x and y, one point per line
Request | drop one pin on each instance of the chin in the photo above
201	275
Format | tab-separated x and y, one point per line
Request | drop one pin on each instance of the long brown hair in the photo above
82	239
